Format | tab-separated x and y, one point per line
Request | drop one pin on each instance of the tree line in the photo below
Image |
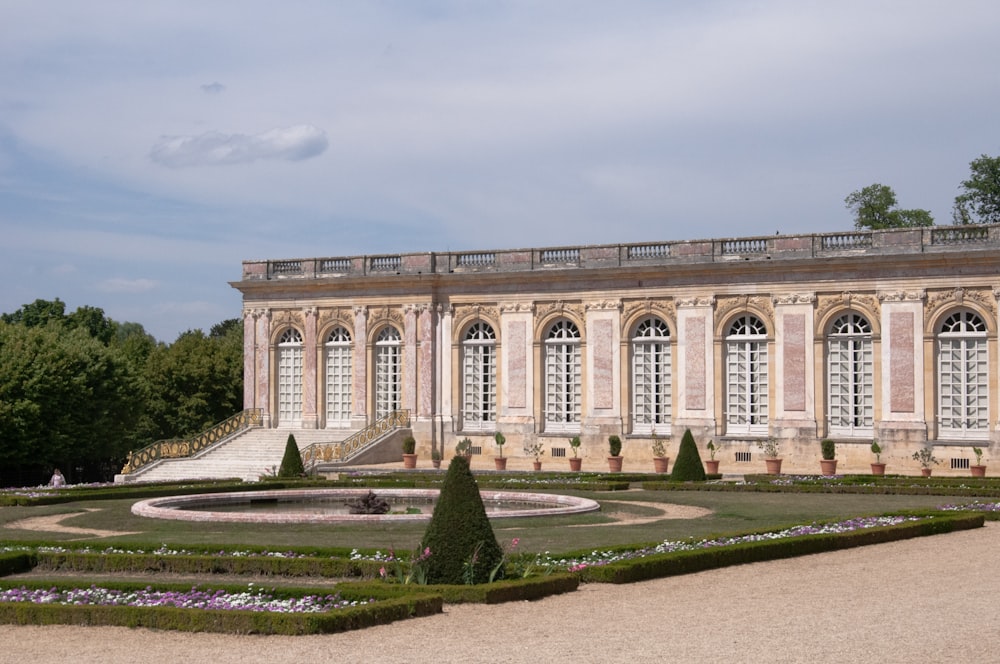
875	207
79	390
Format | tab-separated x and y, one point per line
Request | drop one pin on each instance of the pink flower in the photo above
381	572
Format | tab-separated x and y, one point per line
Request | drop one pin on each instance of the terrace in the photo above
935	239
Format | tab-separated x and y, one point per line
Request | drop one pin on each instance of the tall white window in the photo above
479	378
563	378
850	377
290	377
388	371
746	377
651	377
338	377
963	380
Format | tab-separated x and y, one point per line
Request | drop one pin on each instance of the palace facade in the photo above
887	335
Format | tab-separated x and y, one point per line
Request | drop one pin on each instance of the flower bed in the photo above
243	610
671	558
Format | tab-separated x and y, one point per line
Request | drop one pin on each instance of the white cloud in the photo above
293	143
131	286
213	88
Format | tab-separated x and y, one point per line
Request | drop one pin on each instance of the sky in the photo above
148	148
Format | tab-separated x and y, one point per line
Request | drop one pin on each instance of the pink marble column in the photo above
425	363
901	362
694	363
602	346
309	419
409	397
360	362
263	355
794	362
249	359
516	364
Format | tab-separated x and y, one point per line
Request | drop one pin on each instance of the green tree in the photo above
194	383
688	467
291	462
979	202
874	208
38	313
65	398
463	548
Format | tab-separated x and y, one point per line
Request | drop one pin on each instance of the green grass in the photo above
731	512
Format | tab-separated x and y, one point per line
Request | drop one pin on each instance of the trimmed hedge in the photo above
206	564
687	562
498	592
386	609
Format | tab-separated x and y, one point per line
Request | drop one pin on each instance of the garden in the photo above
77	555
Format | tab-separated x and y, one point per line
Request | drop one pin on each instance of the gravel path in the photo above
932	599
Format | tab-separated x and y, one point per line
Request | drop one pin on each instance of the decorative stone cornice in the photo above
604	305
793	298
984	298
697	301
902	296
727	304
517	307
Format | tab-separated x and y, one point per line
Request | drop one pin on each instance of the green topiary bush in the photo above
463	548
291	463
614	446
688	466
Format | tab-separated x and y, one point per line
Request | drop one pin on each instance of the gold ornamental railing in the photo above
355	443
179	448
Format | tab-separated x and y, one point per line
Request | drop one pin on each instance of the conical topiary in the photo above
463	548
688	466
291	463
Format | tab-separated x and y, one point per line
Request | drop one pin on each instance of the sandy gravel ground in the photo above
933	599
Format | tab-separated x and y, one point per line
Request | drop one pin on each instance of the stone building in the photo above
887	335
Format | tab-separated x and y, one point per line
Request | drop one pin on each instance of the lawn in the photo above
730	513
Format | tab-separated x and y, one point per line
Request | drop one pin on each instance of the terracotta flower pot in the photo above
978	471
615	464
878	469
537	465
409	461
575	463
436	463
712	466
660	464
926	472
828	466
500	463
773	466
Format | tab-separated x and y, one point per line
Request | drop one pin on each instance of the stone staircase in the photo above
247	455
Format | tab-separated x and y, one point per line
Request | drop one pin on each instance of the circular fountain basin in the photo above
324	506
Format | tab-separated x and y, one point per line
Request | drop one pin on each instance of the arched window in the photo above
388	371
479	378
963	377
651	376
563	378
290	377
850	377
746	377
338	377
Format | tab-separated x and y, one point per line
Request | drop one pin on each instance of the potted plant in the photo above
925	457
535	451
712	464
828	463
771	459
464	448
878	468
979	469
614	454
575	462
660	459
409	452
436	458
500	461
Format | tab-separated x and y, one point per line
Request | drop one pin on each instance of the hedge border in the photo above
687	562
